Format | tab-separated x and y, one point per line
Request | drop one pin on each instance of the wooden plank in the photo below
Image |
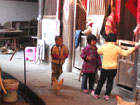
80	18
126	74
50	7
126	61
97	7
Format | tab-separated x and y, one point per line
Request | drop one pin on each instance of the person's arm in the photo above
83	55
99	62
126	52
66	53
55	56
129	51
53	53
100	50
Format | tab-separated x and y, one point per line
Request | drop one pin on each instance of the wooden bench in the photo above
13	39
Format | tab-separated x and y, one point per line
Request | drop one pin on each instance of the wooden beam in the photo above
49	16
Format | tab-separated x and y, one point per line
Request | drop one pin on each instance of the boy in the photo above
59	53
110	52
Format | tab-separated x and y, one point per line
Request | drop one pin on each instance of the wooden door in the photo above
127	23
78	60
126	70
80	25
126	75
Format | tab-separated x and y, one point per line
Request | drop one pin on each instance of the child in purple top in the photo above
91	63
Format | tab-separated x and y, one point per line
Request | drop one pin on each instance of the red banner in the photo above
138	12
84	2
117	10
132	6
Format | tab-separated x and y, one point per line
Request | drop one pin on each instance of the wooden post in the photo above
74	28
61	16
68	33
1	84
137	70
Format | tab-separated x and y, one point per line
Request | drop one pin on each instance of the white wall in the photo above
17	11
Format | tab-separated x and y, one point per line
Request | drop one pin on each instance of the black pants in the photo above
85	77
108	75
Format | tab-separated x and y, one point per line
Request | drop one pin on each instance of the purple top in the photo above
95	62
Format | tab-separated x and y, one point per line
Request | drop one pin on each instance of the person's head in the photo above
91	40
59	40
111	37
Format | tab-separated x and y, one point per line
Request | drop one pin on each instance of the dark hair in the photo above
91	37
111	37
57	37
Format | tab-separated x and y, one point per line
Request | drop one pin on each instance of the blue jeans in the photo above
85	77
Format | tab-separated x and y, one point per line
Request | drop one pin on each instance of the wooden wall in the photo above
127	23
80	17
97	7
50	7
107	3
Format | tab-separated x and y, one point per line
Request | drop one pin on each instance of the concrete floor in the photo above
39	77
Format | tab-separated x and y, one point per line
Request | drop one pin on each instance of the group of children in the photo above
92	62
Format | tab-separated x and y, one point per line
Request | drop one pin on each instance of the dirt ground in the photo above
72	96
39	78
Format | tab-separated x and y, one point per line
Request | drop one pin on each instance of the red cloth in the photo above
138	12
90	24
117	10
84	2
55	56
131	5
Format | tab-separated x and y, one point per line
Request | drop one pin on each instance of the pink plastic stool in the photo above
30	54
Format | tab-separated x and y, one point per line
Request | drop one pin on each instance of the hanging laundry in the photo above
77	38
